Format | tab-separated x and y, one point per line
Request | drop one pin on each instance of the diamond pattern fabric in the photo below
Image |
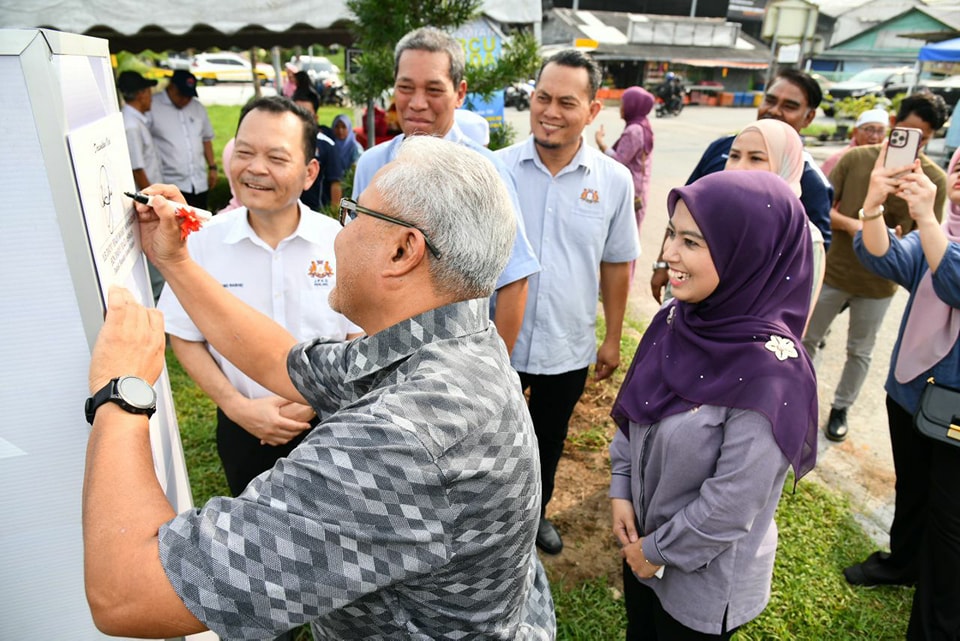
410	512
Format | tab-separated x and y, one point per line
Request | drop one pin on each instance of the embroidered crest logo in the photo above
782	348
589	196
321	272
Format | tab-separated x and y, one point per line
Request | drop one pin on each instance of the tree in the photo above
379	25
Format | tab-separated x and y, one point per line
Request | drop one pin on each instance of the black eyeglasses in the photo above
349	210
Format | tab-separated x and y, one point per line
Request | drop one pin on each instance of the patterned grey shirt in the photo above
410	512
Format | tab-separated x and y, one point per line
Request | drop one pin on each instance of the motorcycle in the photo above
332	93
672	109
518	95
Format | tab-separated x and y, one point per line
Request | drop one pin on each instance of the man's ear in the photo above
313	170
409	251
595	107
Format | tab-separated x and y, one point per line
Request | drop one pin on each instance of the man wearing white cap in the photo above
870	129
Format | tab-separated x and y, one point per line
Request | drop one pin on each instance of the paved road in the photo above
862	466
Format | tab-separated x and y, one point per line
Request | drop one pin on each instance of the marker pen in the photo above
144	199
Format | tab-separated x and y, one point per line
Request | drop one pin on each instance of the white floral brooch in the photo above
782	348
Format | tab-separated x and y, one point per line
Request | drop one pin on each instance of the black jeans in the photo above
926	526
242	455
648	621
552	400
911	454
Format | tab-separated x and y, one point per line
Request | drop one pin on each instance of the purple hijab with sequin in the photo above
740	346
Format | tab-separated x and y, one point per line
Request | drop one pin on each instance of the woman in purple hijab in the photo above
926	519
719	402
634	148
345	141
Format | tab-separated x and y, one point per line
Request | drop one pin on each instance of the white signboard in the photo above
102	172
65	236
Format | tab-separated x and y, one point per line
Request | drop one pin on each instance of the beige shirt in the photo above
851	179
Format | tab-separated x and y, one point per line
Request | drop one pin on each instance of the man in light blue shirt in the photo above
428	88
577	206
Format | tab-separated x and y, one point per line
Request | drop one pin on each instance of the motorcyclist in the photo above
671	92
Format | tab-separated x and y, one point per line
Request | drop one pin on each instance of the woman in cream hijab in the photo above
774	146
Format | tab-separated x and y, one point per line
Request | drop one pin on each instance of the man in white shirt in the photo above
184	137
577	206
137	99
276	255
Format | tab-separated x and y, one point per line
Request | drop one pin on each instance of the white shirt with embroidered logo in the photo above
290	284
575	220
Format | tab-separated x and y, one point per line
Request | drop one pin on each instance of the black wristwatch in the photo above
133	394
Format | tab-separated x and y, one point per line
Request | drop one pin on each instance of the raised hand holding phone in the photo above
903	147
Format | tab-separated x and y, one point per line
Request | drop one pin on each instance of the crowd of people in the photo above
394	390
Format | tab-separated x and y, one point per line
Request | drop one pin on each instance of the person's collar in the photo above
455	134
141	115
242	230
528	152
311	227
399	341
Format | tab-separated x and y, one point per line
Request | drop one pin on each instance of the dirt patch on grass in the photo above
580	507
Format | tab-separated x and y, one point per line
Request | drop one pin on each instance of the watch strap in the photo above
109	393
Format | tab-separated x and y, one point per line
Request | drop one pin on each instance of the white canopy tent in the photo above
182	24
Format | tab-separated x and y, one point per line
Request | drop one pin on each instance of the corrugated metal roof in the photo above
561	27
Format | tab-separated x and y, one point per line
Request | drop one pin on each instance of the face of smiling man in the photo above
561	107
425	96
268	166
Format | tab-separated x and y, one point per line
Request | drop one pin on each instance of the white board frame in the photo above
53	310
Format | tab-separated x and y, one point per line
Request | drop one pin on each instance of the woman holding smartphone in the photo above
925	532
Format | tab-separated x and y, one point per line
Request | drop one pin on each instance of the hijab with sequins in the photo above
740	346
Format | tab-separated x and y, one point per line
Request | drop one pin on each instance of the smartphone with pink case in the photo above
903	147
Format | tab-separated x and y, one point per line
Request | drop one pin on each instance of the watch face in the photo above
136	392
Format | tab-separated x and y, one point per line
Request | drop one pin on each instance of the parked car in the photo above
211	68
882	81
175	60
947	88
322	72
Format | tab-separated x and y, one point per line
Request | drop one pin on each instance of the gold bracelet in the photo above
872	216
